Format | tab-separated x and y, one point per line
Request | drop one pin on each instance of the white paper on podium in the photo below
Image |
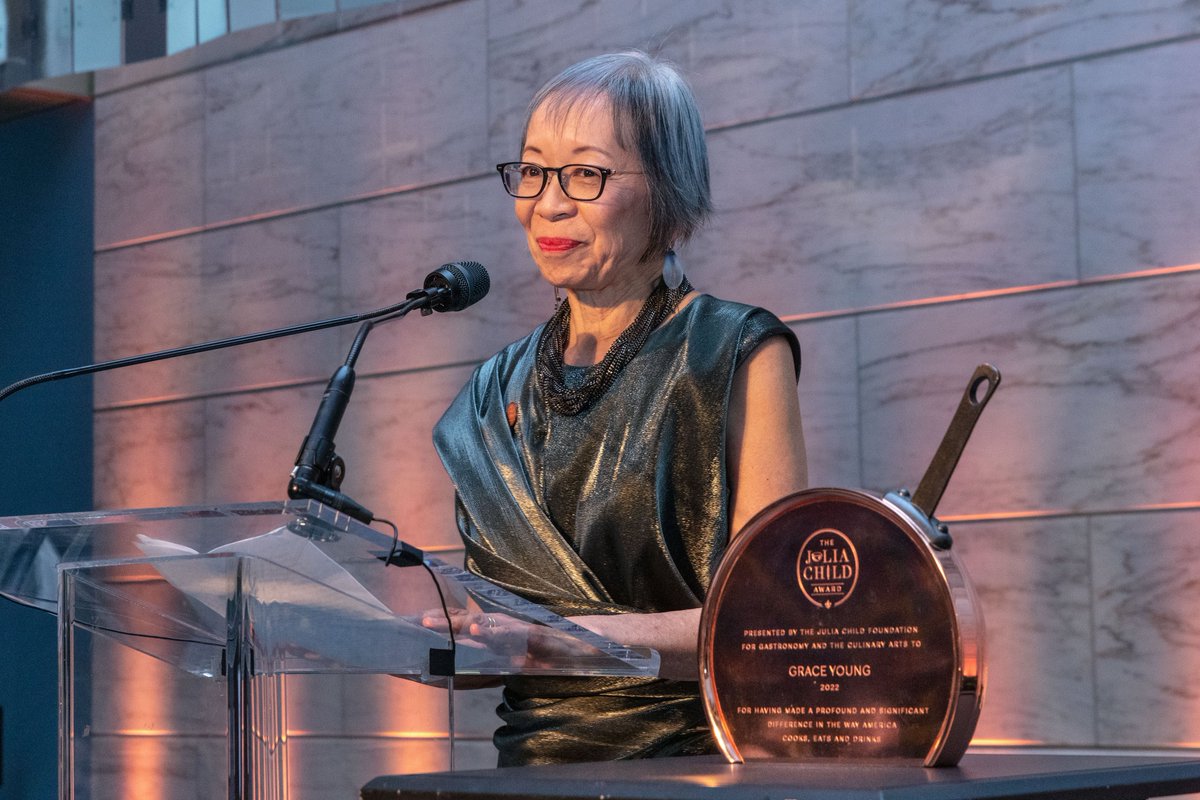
322	607
207	580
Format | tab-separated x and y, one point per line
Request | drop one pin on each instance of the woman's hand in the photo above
498	634
497	641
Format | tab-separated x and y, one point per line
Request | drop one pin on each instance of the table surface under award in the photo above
1033	774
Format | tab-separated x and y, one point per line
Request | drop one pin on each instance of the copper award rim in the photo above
962	712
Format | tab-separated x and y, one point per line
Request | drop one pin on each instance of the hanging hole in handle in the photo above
976	398
985	376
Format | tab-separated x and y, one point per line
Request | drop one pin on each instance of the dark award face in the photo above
833	630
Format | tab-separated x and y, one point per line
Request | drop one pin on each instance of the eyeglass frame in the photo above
605	174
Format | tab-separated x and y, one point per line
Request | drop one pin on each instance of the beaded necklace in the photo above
598	377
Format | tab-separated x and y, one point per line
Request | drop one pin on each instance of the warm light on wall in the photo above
146	725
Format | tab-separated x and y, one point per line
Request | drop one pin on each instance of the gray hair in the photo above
655	116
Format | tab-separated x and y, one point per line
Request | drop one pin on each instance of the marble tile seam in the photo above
274	214
987	294
1071	513
298	383
1057	63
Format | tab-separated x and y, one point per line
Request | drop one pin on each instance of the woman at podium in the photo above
603	461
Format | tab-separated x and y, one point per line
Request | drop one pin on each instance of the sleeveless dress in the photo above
621	508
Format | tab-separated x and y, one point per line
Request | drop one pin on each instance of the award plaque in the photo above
840	625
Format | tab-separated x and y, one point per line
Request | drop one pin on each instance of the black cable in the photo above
436	585
445	611
395	538
158	637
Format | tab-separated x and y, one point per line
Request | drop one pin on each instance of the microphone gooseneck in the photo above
319	471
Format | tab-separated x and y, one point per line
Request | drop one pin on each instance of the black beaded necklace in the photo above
598	377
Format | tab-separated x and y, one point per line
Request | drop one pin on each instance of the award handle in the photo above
980	389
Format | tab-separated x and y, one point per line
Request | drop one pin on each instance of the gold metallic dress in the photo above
621	508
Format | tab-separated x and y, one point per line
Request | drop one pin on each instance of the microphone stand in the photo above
318	474
319	470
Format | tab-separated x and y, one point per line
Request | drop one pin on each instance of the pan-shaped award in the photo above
840	624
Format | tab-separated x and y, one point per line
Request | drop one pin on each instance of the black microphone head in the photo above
465	282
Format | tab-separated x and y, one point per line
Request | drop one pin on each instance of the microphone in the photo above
319	470
451	287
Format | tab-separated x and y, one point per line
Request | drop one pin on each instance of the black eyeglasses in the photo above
578	181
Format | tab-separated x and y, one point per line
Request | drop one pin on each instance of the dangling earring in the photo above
557	299
672	270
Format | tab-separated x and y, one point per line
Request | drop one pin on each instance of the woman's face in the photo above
593	245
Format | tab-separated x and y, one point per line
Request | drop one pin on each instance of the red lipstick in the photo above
553	244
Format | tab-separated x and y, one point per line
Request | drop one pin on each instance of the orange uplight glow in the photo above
710	780
375	705
144	716
144	768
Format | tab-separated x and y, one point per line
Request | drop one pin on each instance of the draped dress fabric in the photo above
621	508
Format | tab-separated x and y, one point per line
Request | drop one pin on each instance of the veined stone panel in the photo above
960	190
1097	410
251	441
1032	580
132	692
313	266
222	283
149	456
934	193
388	445
241	448
1146	592
381	705
385	438
153	729
744	60
389	245
897	46
182	768
829	401
1137	115
386	105
149	159
148	298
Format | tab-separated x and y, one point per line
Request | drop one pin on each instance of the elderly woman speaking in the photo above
603	462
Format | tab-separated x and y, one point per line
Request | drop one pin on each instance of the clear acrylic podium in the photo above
247	594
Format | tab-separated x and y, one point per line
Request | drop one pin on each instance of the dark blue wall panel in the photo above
45	431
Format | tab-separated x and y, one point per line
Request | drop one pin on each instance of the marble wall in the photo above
916	187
